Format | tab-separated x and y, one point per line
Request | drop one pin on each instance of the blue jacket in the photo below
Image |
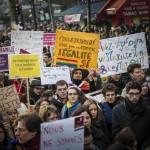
107	111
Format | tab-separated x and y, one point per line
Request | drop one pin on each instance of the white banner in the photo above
30	41
117	53
72	18
66	134
50	75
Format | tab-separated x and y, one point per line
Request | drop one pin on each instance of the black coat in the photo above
101	135
119	84
146	98
59	105
137	117
34	98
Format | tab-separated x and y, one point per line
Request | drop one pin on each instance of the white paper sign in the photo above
72	18
50	75
66	134
96	96
30	41
117	53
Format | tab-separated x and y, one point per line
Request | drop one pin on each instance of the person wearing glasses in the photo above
134	73
61	94
73	102
133	113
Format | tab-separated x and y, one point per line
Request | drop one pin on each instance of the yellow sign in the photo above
24	66
76	49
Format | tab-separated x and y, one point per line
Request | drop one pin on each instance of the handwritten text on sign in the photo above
24	66
57	135
32	41
117	53
9	98
50	75
78	48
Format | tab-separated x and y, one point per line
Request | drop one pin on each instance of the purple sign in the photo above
3	62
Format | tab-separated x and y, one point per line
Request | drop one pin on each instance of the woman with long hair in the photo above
100	138
99	125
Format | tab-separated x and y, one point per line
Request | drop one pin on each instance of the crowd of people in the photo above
106	30
119	121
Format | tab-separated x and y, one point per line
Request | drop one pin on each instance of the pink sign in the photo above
49	39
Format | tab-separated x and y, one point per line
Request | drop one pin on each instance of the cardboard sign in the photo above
24	66
66	134
117	53
3	62
9	98
49	39
50	75
76	49
31	41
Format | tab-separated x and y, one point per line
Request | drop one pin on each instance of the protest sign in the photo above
3	62
49	39
4	51
9	98
50	75
117	53
31	41
56	135
48	55
96	96
24	66
76	49
72	18
48	46
7	50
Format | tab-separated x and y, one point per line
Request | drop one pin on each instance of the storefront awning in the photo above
82	9
111	7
